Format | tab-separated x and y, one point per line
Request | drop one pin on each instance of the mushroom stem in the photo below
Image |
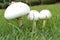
34	25
20	20
44	23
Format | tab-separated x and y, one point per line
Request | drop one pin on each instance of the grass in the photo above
10	29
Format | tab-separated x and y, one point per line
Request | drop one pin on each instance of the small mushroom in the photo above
16	10
44	14
33	15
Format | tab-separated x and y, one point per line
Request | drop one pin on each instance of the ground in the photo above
10	29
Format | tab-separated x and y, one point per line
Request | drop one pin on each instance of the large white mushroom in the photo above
16	10
33	15
45	14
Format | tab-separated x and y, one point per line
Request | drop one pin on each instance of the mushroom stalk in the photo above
44	23
34	25
20	20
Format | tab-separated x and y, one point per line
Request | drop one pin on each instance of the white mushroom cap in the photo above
33	15
16	10
45	14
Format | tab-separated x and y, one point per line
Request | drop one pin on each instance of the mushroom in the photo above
44	14
16	10
33	15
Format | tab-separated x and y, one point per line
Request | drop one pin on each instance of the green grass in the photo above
10	29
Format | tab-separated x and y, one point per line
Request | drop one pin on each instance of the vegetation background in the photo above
5	3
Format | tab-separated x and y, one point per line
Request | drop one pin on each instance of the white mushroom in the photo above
44	14
16	10
33	15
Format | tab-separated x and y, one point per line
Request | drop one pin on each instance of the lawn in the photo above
10	29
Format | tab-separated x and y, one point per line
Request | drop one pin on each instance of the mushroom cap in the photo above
16	10
45	14
33	15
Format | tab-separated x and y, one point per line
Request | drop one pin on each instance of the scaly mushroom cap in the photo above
33	15
16	10
45	14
